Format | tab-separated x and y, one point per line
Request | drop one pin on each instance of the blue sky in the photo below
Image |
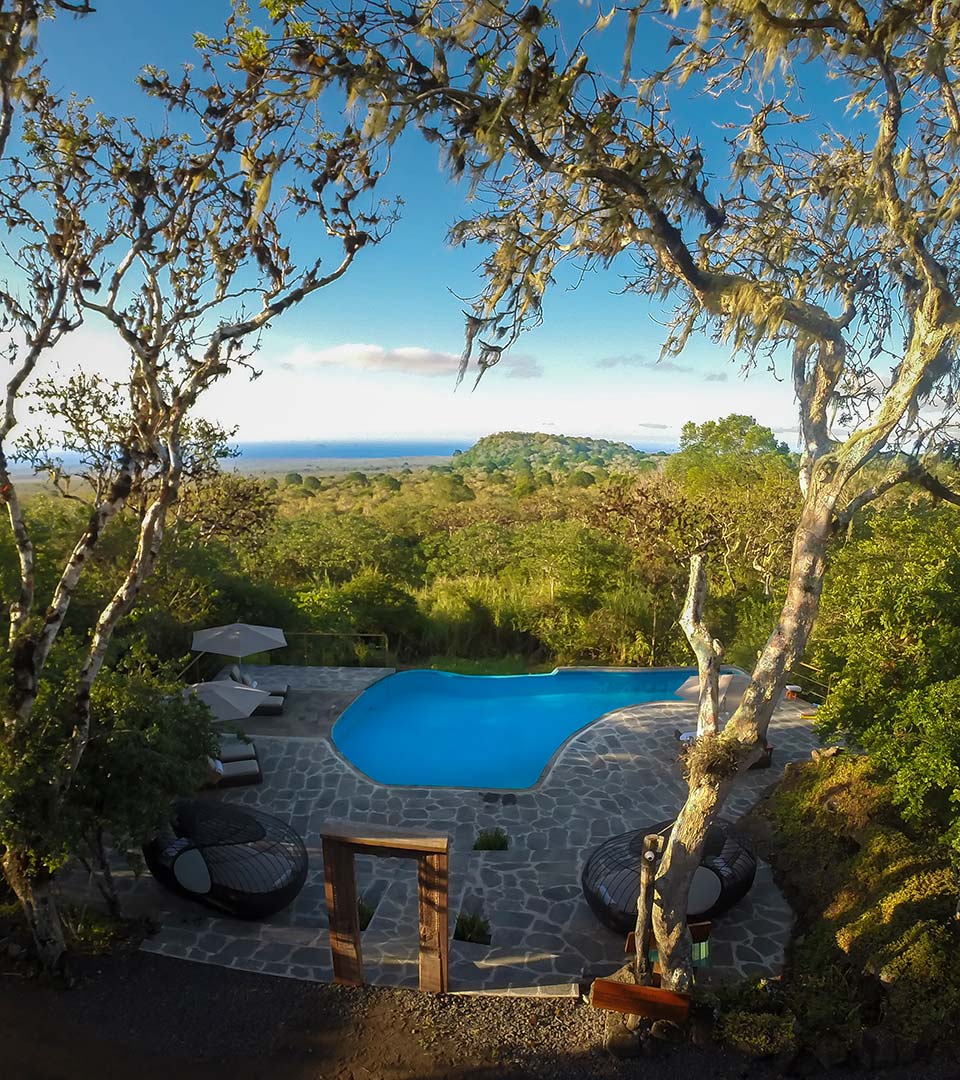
373	355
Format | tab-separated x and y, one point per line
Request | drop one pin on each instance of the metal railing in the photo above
807	676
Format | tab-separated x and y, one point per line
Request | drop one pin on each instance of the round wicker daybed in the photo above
611	876
239	860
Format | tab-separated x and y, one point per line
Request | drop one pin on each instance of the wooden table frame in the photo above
341	841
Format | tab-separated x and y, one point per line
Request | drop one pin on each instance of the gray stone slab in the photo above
620	773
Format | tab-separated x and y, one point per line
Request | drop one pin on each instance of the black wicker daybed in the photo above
611	876
239	860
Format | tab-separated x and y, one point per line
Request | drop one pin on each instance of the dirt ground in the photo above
149	1018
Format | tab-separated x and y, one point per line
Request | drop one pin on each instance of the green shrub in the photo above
492	840
756	1033
879	940
472	926
293	479
364	912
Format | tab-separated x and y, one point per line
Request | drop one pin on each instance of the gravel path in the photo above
149	1018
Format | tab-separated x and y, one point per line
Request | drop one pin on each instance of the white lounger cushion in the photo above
236	771
234	749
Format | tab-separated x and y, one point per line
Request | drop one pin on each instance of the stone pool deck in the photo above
618	774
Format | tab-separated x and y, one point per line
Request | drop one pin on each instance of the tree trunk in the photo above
740	743
34	890
706	648
97	866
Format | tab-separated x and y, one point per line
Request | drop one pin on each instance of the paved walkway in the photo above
619	774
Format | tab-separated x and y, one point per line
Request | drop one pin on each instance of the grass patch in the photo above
759	1034
472	926
90	931
877	940
503	665
492	840
365	912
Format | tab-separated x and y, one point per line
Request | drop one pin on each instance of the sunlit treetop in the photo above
824	233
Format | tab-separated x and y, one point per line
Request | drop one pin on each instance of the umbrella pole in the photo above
190	665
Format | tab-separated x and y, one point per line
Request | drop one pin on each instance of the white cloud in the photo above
409	359
405	360
643	362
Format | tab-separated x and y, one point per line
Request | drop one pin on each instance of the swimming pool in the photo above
437	729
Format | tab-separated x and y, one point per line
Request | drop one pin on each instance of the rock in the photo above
826	753
878	1048
804	1064
15	951
651	1047
701	1030
829	1051
783	1062
619	1040
666	1031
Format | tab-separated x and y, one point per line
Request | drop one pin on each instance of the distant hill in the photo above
537	450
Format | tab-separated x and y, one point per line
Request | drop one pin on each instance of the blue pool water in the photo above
437	729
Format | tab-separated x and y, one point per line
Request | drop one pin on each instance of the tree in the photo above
831	248
179	243
19	22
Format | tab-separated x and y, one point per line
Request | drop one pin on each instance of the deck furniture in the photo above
611	876
238	860
244	680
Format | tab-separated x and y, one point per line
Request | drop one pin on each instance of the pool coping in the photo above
555	756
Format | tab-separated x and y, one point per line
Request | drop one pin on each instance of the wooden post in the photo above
432	882
343	840
652	845
340	890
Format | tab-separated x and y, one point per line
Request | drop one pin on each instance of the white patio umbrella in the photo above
238	640
226	699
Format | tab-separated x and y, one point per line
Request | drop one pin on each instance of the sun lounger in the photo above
273	706
233	748
237	773
245	680
234	773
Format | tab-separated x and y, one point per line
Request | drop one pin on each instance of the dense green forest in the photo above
508	559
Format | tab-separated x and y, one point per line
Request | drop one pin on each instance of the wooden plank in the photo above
649	1001
432	879
340	889
375	837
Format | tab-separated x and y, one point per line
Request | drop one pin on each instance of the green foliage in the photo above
507	450
581	478
491	840
90	931
503	665
293	479
148	745
735	437
364	912
889	643
759	1034
473	927
879	939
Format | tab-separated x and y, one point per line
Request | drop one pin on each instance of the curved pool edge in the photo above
555	757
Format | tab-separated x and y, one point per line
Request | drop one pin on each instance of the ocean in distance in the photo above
373	448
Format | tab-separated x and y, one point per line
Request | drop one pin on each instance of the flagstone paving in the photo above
619	774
